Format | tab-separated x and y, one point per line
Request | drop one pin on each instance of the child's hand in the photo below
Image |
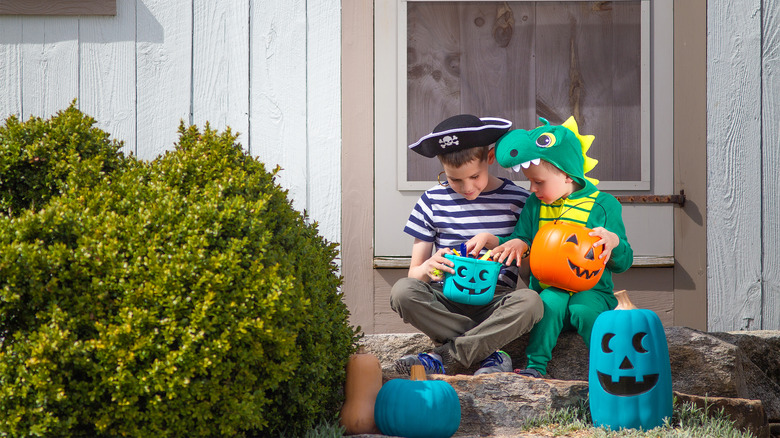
437	265
510	250
609	239
481	240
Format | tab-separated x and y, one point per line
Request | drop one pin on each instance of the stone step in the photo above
716	369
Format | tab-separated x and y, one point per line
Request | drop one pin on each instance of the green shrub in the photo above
180	297
38	157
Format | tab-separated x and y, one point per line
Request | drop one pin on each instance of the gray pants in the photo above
466	333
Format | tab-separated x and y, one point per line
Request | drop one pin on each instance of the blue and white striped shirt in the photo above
447	219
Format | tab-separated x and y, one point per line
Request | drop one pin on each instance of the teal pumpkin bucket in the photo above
629	377
474	280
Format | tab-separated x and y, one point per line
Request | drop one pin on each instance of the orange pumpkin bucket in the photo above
562	255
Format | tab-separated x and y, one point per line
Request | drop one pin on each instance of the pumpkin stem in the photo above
418	373
623	302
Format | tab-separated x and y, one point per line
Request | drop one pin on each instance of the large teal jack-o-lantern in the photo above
630	378
474	281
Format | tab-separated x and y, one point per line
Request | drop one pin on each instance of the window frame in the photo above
57	7
644	183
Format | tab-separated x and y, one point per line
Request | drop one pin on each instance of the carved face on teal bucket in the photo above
474	281
630	373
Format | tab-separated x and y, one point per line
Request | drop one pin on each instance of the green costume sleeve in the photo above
623	255
525	229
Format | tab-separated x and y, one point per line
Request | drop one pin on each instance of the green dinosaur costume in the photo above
564	147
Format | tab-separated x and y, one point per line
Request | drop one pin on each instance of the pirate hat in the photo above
460	132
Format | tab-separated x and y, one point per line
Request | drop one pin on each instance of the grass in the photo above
325	430
688	421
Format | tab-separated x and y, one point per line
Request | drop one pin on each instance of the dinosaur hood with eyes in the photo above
561	145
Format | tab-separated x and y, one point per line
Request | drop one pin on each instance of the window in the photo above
524	60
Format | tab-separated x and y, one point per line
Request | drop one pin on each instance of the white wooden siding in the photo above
107	72
164	73
742	162
270	70
220	65
50	60
770	107
279	88
10	65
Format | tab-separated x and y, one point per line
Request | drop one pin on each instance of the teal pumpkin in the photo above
417	408
630	378
474	280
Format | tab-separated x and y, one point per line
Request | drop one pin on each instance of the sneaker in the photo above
430	361
530	372
498	362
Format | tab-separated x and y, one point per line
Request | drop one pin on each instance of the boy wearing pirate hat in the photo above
471	201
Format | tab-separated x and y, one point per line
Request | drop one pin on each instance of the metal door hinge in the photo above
653	199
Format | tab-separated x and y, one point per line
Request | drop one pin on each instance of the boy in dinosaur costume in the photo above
554	159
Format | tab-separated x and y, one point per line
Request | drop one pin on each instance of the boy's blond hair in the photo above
551	167
459	158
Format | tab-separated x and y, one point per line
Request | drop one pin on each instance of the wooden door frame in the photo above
357	160
690	162
690	269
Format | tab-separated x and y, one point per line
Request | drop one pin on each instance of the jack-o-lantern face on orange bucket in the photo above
562	255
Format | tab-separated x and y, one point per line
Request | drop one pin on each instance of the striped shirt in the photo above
447	219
